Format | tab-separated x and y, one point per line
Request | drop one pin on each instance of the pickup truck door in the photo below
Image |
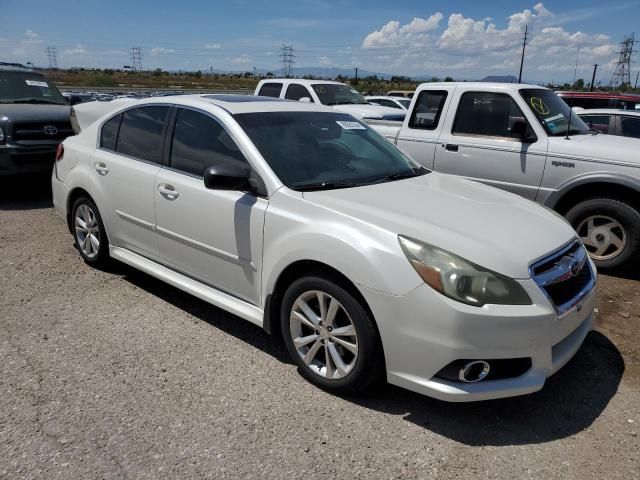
419	134
479	141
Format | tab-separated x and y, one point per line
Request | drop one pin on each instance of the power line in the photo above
53	60
136	58
622	74
287	56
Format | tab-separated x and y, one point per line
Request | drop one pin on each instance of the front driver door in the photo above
478	144
214	236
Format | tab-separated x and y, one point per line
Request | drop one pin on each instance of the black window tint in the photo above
200	142
631	127
141	133
587	102
597	122
427	110
109	133
296	91
486	114
270	90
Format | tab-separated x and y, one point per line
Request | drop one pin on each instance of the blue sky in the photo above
462	39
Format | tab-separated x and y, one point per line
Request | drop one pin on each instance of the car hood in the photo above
26	112
606	148
492	228
372	111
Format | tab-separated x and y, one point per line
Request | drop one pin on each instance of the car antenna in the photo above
575	70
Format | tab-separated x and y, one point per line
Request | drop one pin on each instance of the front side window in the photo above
295	91
200	142
109	133
270	90
630	127
428	109
487	114
597	122
553	113
338	94
323	150
140	134
28	87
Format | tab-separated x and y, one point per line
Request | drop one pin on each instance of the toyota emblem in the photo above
50	129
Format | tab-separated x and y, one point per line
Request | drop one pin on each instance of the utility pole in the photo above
136	59
524	44
287	60
53	61
593	77
356	74
636	85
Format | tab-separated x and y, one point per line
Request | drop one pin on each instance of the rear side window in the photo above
630	127
597	122
109	133
200	142
428	109
296	91
140	133
270	90
486	114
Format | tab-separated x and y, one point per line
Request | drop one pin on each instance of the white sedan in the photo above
306	222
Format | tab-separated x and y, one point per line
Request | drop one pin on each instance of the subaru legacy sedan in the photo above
306	222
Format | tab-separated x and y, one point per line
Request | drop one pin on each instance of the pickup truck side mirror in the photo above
228	176
520	129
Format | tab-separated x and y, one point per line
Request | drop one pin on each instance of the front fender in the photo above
595	177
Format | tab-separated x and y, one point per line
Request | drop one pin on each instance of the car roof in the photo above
302	81
16	67
482	85
607	111
625	96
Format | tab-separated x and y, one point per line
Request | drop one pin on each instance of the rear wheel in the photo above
330	335
609	229
88	232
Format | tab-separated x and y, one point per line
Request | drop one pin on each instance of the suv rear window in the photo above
140	133
270	90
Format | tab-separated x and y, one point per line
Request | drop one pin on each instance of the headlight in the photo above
1	135
460	279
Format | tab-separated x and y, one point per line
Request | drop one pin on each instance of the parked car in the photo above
400	103
518	138
335	94
624	123
75	98
624	101
303	220
34	119
401	93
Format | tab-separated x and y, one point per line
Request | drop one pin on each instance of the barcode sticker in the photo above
36	83
350	125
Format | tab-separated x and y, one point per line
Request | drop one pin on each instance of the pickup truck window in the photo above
553	113
270	90
295	91
338	94
486	114
427	110
319	151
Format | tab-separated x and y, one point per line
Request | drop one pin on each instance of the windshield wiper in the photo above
324	186
36	100
399	176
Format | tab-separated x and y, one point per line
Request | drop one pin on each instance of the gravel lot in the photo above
116	375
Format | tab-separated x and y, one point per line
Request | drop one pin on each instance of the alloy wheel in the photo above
604	237
87	230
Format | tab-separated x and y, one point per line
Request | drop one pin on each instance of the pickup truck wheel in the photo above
89	233
609	229
330	336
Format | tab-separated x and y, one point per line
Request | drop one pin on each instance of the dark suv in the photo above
34	119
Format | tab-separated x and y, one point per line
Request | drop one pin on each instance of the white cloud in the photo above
393	34
77	50
161	51
212	46
241	60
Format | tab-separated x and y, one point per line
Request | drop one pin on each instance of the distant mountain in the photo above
500	79
320	72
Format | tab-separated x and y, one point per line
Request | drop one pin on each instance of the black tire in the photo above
623	213
100	258
369	363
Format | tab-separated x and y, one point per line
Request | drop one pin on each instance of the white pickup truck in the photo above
338	95
525	139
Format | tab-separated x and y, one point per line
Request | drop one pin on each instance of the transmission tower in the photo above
287	60
53	61
136	59
622	74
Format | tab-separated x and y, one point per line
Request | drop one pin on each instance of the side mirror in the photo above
304	99
228	176
520	129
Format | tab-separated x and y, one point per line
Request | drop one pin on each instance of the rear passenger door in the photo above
477	143
214	236
125	166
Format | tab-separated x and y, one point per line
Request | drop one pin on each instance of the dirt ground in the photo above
112	374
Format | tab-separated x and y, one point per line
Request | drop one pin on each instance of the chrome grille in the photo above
565	276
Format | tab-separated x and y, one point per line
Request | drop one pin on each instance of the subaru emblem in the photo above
574	268
50	129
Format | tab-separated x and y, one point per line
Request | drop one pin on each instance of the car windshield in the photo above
553	113
28	87
337	94
405	103
320	151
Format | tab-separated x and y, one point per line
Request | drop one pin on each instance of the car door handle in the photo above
101	168
451	147
168	191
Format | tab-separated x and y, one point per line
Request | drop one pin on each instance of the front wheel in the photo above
330	336
609	230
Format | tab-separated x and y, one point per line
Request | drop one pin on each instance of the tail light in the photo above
59	153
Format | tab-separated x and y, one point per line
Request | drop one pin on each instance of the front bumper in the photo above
22	160
424	331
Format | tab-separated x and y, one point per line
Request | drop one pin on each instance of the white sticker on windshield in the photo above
36	83
350	125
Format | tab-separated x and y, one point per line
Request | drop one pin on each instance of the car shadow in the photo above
25	193
570	401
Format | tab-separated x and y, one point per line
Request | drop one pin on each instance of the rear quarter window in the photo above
270	90
109	133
